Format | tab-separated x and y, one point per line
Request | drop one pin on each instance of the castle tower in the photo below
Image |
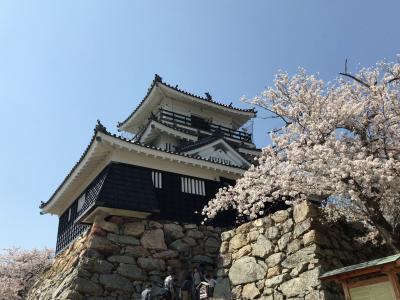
182	148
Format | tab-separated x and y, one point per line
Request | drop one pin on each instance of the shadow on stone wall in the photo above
279	256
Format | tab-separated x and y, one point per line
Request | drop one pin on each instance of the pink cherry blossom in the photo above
339	143
19	269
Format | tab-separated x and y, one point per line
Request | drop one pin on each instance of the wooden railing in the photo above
199	123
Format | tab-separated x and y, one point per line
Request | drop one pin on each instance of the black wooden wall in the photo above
131	187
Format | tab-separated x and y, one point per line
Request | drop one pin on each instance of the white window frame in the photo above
156	178
193	186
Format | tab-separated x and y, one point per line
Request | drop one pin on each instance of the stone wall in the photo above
116	258
276	257
282	255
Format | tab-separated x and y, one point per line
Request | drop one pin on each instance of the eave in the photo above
99	150
374	266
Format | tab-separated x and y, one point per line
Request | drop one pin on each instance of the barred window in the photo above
193	186
157	179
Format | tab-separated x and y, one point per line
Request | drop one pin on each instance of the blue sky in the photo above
64	64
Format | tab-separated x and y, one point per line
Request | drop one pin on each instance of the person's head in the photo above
195	270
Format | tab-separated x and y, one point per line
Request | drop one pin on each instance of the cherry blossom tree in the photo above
339	143
19	269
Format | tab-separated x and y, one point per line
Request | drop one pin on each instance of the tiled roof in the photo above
364	265
100	128
158	79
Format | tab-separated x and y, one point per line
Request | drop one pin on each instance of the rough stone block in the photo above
250	291
272	233
302	211
284	240
195	234
179	245
300	285
123	239
103	245
237	242
304	255
167	254
212	243
280	216
245	270
130	271
226	235
151	264
262	247
86	286
275	259
242	252
173	231
153	239
97	266
276	280
301	228
116	282
136	251
134	228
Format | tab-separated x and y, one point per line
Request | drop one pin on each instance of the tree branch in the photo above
356	79
393	79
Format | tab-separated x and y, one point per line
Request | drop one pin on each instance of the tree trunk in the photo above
382	225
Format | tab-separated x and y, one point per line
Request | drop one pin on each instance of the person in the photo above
186	288
202	270
203	290
212	281
196	280
169	285
146	294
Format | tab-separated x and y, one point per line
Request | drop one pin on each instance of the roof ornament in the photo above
157	78
230	104
100	127
209	97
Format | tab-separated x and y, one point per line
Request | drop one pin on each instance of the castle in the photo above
181	149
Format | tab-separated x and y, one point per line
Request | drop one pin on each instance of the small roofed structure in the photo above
372	280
